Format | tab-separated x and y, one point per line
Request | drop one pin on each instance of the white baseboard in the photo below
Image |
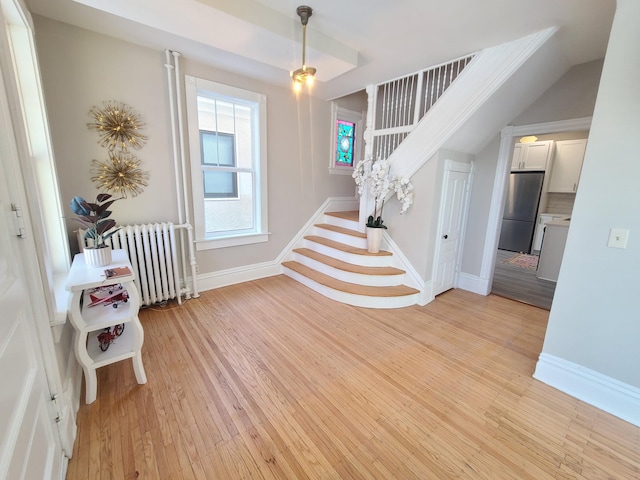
426	294
594	388
232	276
473	283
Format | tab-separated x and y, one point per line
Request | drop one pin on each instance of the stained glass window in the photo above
345	136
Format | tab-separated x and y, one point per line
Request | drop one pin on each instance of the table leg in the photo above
90	384
138	369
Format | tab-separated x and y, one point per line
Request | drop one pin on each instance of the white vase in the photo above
97	257
374	239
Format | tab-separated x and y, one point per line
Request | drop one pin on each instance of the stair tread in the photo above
348	267
350	215
346	231
365	290
345	248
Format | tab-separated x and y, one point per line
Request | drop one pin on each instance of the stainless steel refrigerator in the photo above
520	211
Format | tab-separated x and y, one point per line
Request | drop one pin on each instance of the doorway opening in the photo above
514	269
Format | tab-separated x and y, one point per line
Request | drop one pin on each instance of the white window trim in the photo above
339	113
38	165
192	85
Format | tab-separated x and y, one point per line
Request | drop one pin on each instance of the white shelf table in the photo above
88	323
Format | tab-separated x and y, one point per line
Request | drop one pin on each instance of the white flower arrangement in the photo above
374	177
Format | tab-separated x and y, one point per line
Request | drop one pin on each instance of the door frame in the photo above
508	136
28	141
452	165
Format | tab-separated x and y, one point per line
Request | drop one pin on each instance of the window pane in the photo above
217	148
228	154
345	132
233	214
220	184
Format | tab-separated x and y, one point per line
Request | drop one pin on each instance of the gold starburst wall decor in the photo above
118	125
121	174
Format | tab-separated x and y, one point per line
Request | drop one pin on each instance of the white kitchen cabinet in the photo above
543	219
567	164
531	156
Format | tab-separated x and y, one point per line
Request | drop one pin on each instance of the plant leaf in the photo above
104	226
78	206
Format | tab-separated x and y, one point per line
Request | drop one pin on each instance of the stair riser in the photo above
353	299
341	222
341	237
364	260
358	278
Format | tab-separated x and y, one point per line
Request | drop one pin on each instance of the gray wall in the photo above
81	69
573	96
479	203
594	320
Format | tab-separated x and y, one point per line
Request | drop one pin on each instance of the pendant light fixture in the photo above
304	74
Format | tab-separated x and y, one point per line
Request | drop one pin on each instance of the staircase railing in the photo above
395	108
399	104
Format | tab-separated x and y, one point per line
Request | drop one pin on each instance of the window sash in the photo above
248	175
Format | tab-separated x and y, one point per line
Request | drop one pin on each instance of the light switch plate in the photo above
618	238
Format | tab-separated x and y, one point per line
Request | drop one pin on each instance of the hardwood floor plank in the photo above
269	380
521	284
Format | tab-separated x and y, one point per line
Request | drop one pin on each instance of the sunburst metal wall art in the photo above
118	126
120	174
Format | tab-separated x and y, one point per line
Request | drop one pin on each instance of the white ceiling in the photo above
352	43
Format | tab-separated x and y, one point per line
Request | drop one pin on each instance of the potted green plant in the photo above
374	178
94	217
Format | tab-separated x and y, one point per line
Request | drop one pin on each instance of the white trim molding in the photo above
413	278
594	388
473	284
494	223
340	113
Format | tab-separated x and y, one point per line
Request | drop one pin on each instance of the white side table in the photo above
88	323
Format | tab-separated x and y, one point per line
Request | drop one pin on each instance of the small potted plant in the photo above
94	217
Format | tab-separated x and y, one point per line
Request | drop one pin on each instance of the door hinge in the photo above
18	221
56	408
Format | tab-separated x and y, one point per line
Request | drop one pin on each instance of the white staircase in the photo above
407	126
334	262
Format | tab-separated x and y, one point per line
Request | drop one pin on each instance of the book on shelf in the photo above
117	272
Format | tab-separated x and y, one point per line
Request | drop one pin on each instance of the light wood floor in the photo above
268	379
521	284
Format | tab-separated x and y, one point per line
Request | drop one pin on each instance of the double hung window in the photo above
227	134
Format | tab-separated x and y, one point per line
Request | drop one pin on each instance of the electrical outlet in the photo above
618	238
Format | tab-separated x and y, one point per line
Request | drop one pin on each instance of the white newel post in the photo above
366	200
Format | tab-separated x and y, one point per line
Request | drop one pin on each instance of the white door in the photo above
29	443
453	209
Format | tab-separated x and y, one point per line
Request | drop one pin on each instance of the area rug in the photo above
523	260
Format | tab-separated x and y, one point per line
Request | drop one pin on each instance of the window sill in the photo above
235	241
341	170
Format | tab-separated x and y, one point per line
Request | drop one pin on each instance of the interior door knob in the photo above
445	236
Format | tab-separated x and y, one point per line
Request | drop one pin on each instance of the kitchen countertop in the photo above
562	222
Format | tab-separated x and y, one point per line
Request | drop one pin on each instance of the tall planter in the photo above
97	257
374	239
